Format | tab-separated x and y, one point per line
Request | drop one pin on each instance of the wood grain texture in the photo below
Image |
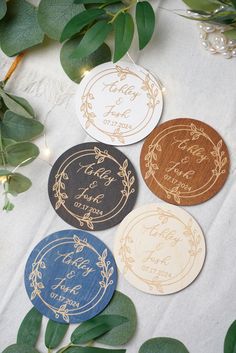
92	186
70	276
184	161
160	249
119	104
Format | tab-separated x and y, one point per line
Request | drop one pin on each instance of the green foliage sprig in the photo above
220	12
84	26
18	126
115	326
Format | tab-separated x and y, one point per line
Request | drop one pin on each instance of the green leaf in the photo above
92	39
124	32
19	183
19	128
29	112
230	339
89	350
16	104
19	29
120	305
30	327
3	8
95	327
75	68
53	15
5	143
163	345
5	172
79	22
21	153
145	18
205	5
55	332
231	34
8	206
114	7
224	17
234	3
20	348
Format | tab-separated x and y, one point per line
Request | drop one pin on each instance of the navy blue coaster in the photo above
92	186
70	276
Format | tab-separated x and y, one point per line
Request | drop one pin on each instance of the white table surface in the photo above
198	85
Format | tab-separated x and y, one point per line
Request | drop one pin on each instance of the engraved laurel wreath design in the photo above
194	240
219	160
87	107
36	275
61	196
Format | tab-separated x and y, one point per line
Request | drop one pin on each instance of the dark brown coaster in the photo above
92	186
184	161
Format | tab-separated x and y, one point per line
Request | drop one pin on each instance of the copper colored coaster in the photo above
184	161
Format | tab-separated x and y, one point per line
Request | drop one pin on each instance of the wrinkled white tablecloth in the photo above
197	85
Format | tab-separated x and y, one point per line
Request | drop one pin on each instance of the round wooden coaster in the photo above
184	161
160	249
70	276
119	104
92	186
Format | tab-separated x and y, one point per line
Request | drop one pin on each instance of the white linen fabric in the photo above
199	86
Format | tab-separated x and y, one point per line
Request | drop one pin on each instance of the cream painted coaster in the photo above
160	249
119	104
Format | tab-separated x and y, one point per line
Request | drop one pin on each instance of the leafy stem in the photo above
125	9
2	149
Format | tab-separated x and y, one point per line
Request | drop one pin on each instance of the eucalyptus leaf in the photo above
205	5
77	23
163	345
120	305
231	34
19	128
230	339
3	8
29	112
19	29
30	327
5	172
8	206
75	68
95	327
145	19
53	15
20	348
55	332
21	153
5	142
16	104
92	40
124	32
89	350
